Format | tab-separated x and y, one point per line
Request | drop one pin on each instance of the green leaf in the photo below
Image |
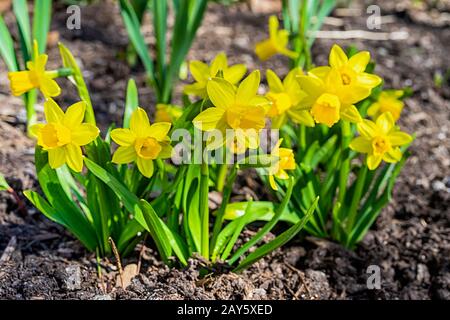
267	227
77	77
131	103
3	183
279	241
7	47
41	22
160	26
132	25
20	8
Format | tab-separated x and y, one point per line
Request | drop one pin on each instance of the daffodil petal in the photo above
337	58
20	82
248	87
359	61
235	73
145	166
272	182
399	138
301	116
221	93
34	129
199	70
123	137
124	155
166	151
74	115
84	134
361	144
273	26
367	128
56	157
385	122
368	80
159	130
392	156
52	111
74	157
320	72
373	161
49	87
208	119
139	122
196	89
351	113
219	63
274	82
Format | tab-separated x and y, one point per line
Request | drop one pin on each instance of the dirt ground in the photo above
410	241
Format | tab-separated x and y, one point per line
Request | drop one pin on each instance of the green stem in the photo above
345	168
30	100
356	198
225	199
204	210
223	170
60	73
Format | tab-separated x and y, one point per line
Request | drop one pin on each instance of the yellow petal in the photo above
361	144
124	155
254	118
273	26
52	111
49	87
34	129
208	119
373	161
40	62
145	166
337	58
123	137
56	157
288	53
265	49
301	116
139	122
274	82
367	128
392	156
219	63
385	122
399	138
74	115
74	157
84	134
196	89
368	80
221	93
359	61
235	73
159	130
21	82
350	113
199	71
272	183
320	72
248	88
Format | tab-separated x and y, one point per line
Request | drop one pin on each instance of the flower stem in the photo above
225	199
204	209
223	170
345	167
356	198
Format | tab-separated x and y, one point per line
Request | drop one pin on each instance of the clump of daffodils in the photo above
332	91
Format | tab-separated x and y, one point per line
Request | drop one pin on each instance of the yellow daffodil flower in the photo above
285	98
202	73
333	90
36	77
276	44
167	113
388	101
64	134
142	143
240	109
286	161
380	140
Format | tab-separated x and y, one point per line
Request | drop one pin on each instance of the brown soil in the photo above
410	241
